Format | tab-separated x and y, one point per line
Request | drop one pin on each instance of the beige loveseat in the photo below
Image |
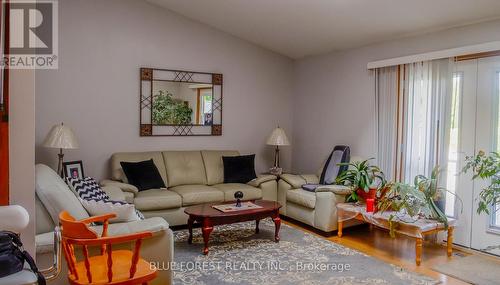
317	209
192	177
53	196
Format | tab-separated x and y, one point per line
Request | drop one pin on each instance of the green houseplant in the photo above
413	201
363	178
486	167
169	111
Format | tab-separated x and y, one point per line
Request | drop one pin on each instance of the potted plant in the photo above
364	179
486	167
413	201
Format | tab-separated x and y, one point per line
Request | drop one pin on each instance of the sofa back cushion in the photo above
214	166
117	171
55	195
184	168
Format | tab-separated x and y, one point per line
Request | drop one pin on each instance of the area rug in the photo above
240	256
473	269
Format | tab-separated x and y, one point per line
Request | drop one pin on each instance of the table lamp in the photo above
277	138
61	137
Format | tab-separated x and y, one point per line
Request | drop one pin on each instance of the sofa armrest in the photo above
310	178
123	186
114	193
336	189
296	181
261	179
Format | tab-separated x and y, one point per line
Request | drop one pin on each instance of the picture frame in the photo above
73	169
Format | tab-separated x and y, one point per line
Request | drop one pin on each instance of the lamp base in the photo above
60	171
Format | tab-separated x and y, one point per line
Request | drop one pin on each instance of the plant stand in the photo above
417	229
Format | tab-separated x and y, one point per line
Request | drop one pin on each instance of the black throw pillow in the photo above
239	169
144	175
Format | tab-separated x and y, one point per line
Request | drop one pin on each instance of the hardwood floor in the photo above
399	251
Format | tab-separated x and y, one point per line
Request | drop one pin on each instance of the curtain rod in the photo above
446	53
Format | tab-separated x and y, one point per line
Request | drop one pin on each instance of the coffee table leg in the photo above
206	230
277	224
257	226
190	228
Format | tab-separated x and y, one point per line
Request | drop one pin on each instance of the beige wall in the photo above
22	148
102	45
334	98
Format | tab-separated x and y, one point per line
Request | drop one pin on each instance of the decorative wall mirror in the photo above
180	103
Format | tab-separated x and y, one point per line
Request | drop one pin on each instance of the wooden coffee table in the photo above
209	217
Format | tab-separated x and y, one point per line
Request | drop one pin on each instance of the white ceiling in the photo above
299	28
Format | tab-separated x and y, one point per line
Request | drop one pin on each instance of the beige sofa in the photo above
192	177
53	196
317	209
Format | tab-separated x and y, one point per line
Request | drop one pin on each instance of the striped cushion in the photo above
87	189
97	202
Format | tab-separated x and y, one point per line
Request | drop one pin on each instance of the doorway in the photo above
475	126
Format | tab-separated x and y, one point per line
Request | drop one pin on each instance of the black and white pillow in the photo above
87	189
97	202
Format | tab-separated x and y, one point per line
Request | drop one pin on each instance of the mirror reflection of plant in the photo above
169	111
361	175
417	200
486	167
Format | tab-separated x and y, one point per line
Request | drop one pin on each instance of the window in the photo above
495	217
453	151
426	106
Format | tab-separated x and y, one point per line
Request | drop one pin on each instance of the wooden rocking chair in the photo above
118	267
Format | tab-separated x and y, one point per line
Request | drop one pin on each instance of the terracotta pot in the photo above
372	194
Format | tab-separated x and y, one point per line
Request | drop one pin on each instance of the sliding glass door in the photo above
475	122
485	229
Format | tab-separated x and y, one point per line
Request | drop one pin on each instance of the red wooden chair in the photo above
118	267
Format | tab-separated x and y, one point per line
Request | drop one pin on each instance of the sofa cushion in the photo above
117	171
184	168
124	211
157	199
214	166
249	192
198	194
301	197
55	195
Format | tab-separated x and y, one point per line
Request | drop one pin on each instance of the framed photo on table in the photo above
73	169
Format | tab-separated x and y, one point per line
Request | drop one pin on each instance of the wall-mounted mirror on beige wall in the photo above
180	103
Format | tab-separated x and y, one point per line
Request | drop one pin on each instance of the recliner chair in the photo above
315	208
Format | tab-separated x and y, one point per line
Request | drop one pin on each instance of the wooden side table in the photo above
418	230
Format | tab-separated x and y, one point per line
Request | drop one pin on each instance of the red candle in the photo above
369	205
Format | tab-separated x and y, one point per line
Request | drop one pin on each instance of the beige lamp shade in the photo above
278	137
61	136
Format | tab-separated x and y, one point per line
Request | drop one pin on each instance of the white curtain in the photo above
413	117
386	80
427	89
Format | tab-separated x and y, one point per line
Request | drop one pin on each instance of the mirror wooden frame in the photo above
148	128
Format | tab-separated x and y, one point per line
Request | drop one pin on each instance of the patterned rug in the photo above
239	256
